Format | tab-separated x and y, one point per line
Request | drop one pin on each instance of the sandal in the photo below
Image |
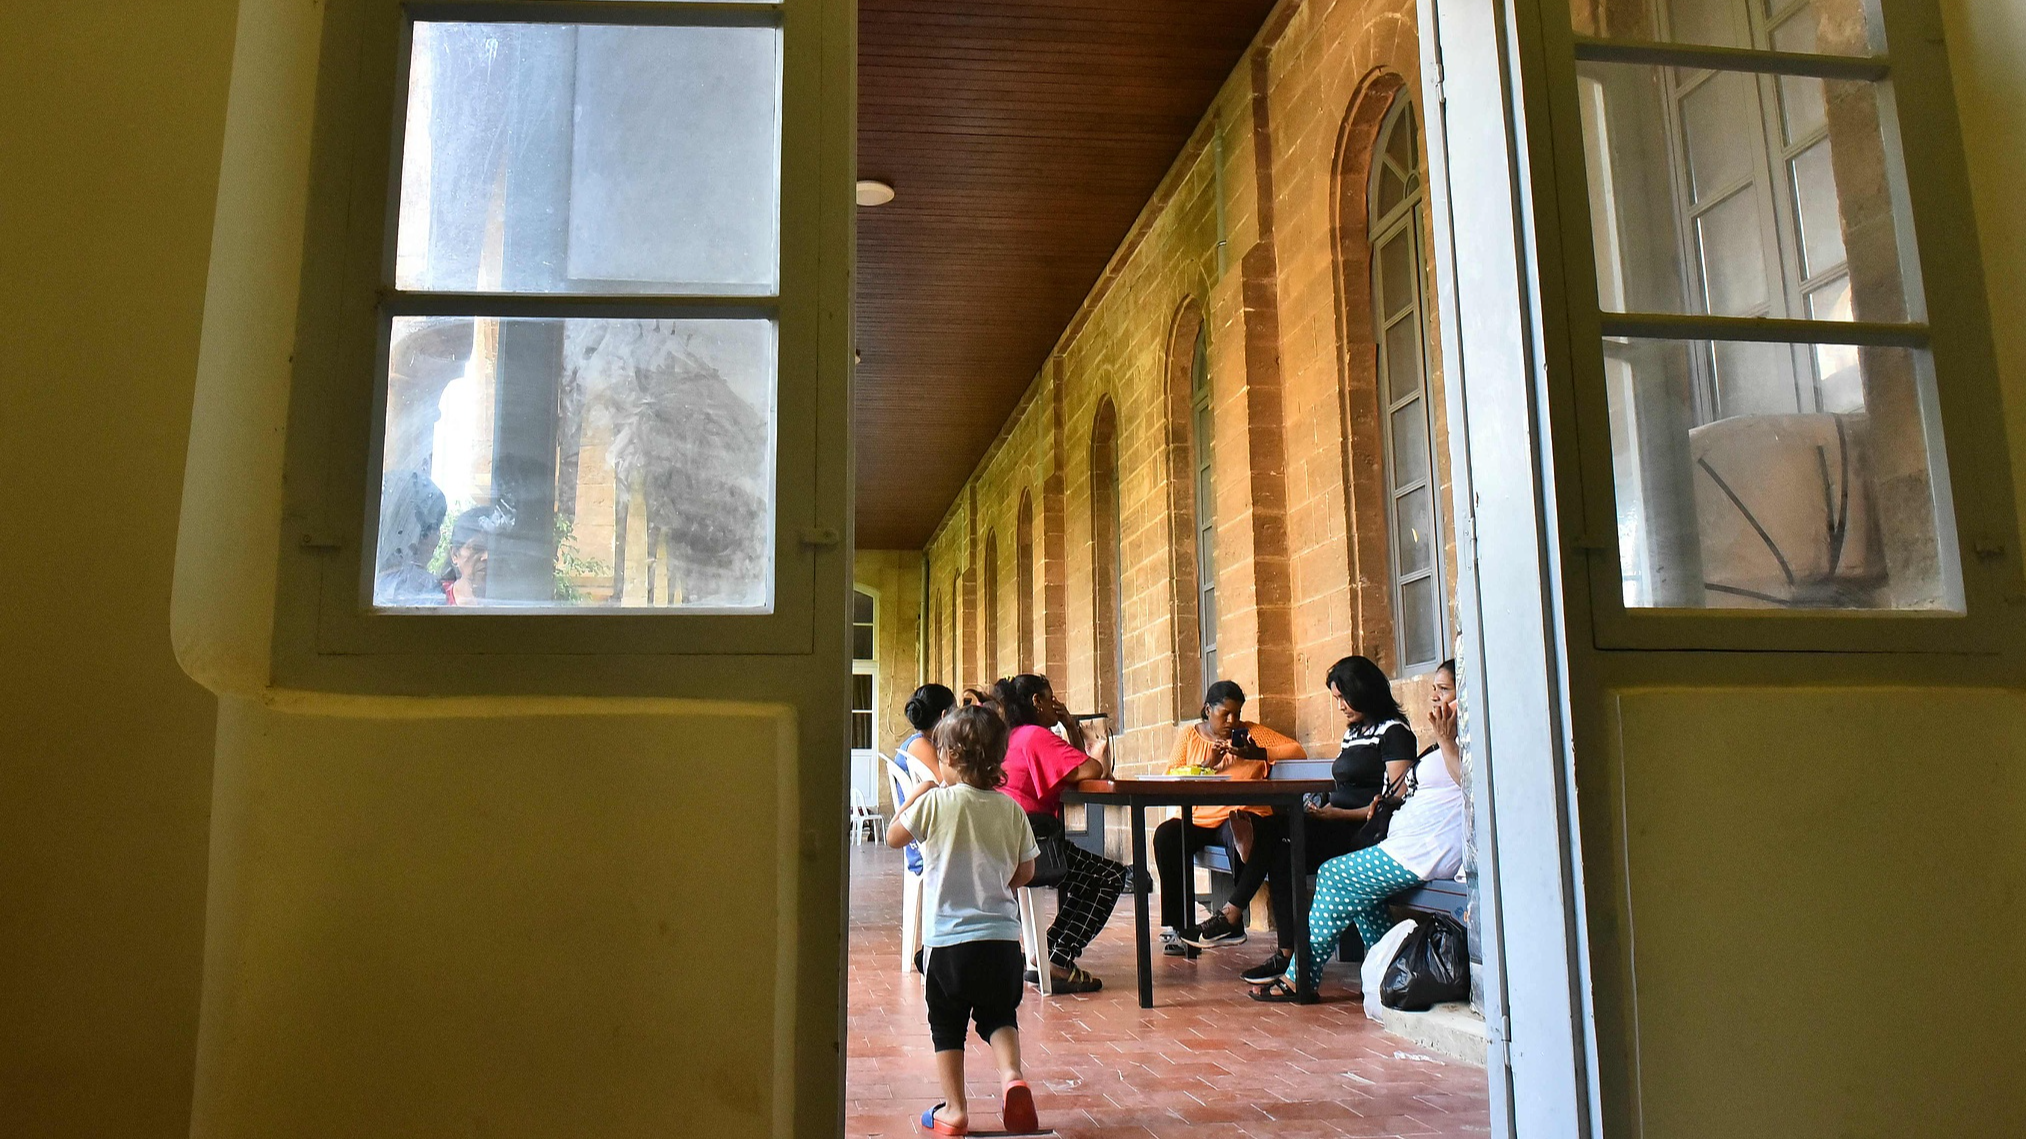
1281	991
1076	981
1016	1108
935	1126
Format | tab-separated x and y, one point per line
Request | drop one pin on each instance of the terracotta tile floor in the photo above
1204	1063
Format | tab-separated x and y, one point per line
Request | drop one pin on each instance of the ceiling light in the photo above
873	193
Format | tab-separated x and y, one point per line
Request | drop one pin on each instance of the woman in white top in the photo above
1423	842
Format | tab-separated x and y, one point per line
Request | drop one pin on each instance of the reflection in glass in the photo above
1736	216
1415	531
1410	445
551	464
593	159
1833	27
1420	619
1831	509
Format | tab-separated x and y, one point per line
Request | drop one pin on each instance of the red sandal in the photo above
935	1126
1016	1108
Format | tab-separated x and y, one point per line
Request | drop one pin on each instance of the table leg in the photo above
1297	855
1144	959
1188	882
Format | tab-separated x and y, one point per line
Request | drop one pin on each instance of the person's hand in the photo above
1442	717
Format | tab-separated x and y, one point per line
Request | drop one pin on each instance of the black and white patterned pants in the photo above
1088	893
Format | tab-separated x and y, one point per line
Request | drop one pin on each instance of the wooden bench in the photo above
1448	898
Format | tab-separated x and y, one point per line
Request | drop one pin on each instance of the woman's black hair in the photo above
927	706
1221	691
1448	666
477	522
1364	686
1015	697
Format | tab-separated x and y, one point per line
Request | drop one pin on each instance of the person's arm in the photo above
1098	766
1178	756
897	834
1022	874
1276	746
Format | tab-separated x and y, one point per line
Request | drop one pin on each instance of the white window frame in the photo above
326	635
1406	219
1202	440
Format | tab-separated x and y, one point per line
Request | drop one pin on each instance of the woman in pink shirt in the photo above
1038	766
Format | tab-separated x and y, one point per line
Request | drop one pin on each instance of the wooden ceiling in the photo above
1022	137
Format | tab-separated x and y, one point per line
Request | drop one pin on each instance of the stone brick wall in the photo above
1258	231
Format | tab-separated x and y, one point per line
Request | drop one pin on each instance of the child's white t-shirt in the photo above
971	842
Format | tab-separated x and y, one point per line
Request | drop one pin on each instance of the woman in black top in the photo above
1378	751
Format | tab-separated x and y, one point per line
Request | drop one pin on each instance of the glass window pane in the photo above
861	692
1815	207
861	731
1731	245
1838	384
1715	120
1410	444
1392	191
1833	27
861	643
557	158
1790	510
1420	623
1414	533
1396	272
1654	243
552	464
1403	360
861	607
1803	110
1754	379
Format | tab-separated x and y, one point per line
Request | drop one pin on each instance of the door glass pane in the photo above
1403	360
558	158
1832	27
1730	242
861	608
1392	191
1420	623
1396	273
861	731
1410	444
1414	534
1715	119
1777	510
861	642
554	464
1815	206
1641	198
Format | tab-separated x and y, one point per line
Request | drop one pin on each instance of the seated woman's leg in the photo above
1268	835
1352	889
1089	891
1171	862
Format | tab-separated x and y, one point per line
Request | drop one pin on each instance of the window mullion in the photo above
619	306
636	13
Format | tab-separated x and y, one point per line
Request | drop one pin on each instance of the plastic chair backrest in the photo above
902	784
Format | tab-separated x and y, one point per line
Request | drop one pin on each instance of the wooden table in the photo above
1136	795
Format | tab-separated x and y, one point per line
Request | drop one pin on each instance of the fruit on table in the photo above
1191	770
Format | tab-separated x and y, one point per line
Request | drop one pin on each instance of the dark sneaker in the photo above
1173	945
1267	971
1214	931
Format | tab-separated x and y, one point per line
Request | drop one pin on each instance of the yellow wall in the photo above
108	170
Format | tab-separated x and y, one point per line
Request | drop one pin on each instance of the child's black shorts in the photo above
978	980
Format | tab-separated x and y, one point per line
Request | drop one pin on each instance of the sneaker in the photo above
1215	931
1267	971
1174	945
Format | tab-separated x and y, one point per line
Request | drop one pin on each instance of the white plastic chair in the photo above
911	880
1031	942
864	818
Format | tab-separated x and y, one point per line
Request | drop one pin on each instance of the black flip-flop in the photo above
1280	992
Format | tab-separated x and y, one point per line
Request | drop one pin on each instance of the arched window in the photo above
1399	317
956	631
1106	541
990	584
1206	505
863	667
1023	584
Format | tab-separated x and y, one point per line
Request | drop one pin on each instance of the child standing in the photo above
977	848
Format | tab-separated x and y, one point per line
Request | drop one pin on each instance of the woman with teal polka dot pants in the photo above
1348	888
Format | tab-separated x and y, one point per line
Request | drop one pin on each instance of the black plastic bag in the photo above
1432	966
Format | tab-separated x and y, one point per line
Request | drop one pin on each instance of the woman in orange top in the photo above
1226	744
